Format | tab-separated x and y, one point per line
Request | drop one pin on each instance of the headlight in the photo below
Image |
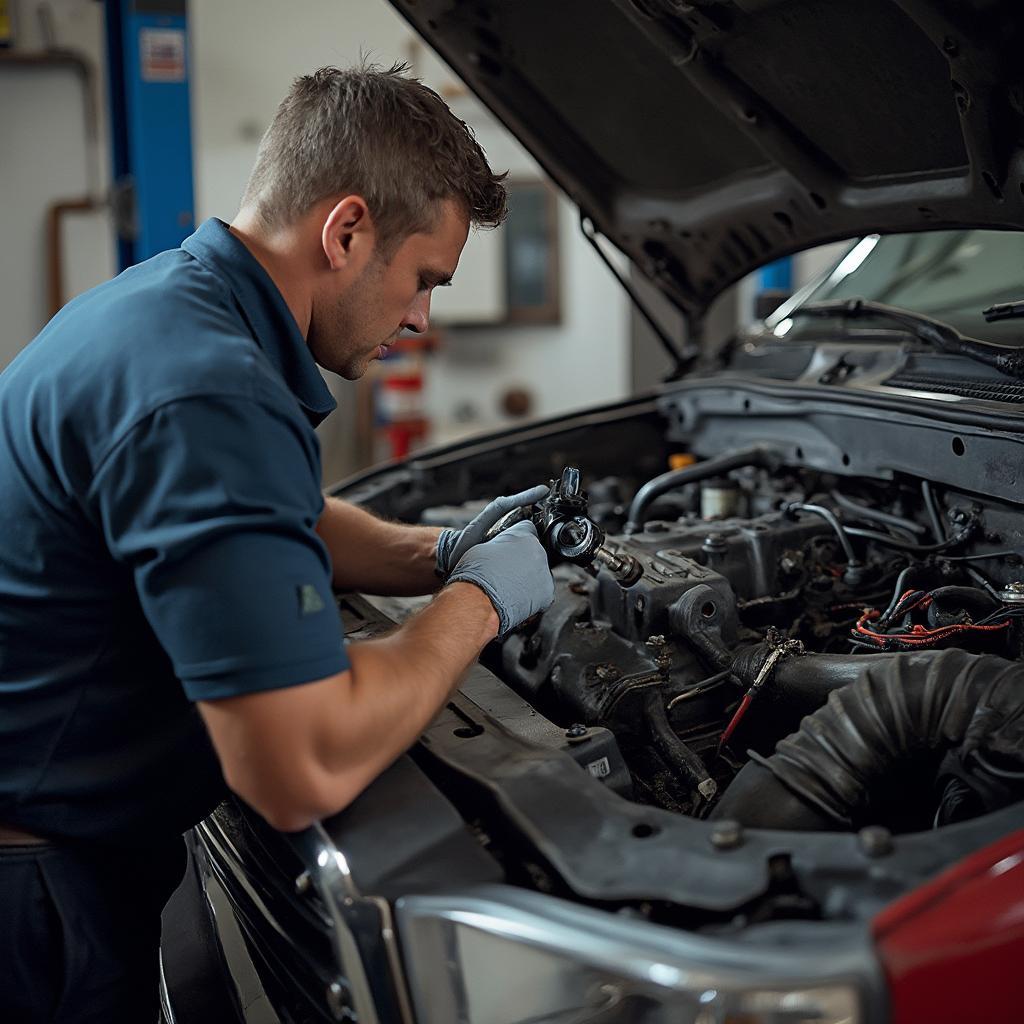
504	956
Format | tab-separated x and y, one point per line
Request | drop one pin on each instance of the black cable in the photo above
899	590
932	508
1000	615
983	583
987	554
702	687
887	518
888	540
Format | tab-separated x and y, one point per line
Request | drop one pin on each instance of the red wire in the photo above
735	720
919	636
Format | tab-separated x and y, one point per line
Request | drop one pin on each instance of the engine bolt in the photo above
727	834
575	731
608	673
875	840
789	562
715	542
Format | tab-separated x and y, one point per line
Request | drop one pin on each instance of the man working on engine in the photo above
166	557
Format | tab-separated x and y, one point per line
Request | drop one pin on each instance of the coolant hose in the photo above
762	456
805	683
824	775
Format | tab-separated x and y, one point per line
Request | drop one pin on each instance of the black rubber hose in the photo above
825	774
830	517
805	683
759	455
676	754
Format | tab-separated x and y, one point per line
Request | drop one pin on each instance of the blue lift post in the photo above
777	276
150	126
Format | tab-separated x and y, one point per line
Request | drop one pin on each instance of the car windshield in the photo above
948	275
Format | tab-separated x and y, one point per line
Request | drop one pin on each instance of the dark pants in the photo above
80	933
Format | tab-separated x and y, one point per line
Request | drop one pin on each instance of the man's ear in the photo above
348	235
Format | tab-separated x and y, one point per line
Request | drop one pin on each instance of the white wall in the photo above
47	156
245	54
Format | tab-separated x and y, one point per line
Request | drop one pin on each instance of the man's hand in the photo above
453	544
512	570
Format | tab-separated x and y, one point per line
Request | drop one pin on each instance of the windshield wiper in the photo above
1006	359
1003	311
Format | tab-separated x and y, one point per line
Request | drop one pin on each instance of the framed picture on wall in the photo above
532	280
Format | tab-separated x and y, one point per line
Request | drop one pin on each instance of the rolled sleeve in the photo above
212	504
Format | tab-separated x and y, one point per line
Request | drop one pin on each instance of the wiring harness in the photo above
873	627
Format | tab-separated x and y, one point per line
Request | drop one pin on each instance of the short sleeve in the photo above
211	503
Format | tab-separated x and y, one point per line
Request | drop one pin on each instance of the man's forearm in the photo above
302	753
376	556
398	683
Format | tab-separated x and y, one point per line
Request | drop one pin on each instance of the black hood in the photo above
708	137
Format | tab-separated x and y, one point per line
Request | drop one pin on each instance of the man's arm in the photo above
376	556
302	753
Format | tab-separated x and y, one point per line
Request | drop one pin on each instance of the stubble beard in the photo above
340	339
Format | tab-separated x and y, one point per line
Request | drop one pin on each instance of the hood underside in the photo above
706	138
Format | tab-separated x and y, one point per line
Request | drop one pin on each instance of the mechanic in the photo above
167	621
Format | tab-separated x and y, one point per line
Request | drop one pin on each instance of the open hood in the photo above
706	138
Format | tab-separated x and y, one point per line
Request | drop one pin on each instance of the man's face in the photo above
348	331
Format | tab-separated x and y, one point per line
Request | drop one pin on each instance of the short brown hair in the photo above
377	133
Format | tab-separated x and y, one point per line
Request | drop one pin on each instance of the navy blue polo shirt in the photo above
159	488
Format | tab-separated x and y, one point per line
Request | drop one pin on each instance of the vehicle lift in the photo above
150	126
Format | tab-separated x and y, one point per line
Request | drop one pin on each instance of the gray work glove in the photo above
512	570
453	544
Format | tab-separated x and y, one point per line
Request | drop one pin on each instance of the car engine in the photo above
686	611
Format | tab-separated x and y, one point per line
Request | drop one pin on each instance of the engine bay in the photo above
743	571
773	622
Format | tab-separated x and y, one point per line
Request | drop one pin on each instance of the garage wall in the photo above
245	54
47	155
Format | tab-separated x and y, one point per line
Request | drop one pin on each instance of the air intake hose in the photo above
822	777
760	455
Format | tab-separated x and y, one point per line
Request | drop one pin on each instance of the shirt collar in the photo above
273	326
